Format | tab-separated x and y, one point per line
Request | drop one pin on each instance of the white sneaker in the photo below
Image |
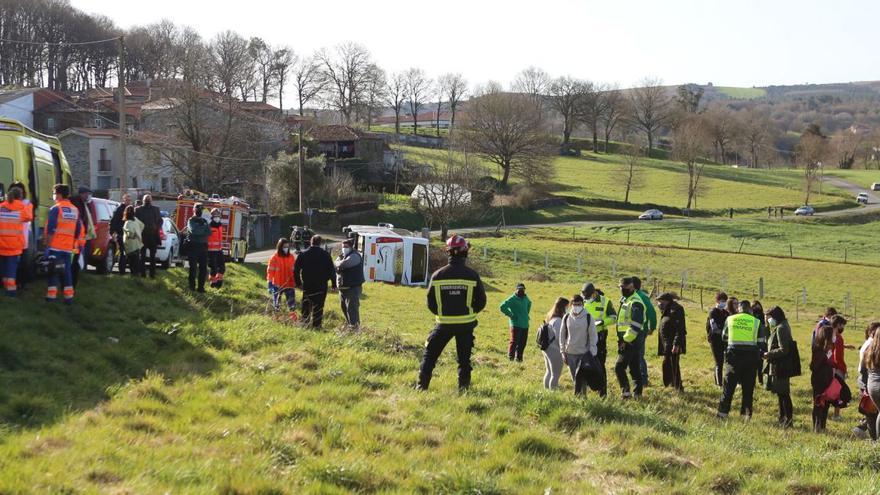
860	433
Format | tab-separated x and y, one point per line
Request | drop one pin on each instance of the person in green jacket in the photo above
650	326
517	308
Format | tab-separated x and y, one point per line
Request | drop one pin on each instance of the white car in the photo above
875	186
862	198
805	210
169	250
652	214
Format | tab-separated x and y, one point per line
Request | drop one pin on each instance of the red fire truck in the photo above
235	215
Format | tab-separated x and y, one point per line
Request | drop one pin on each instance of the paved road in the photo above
855	189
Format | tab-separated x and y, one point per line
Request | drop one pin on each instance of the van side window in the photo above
6	175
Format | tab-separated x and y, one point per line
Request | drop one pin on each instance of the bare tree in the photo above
282	60
756	135
723	128
440	91
506	129
848	144
688	97
455	89
649	104
591	109
346	70
263	57
309	80
566	95
374	92
812	149
231	64
633	154
689	146
418	86
534	82
395	97
616	109
443	192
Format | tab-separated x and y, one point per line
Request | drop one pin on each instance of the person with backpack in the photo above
866	426
517	308
548	342
577	342
199	232
783	363
672	339
714	328
650	326
631	329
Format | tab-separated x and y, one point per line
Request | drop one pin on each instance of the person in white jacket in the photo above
552	354
577	338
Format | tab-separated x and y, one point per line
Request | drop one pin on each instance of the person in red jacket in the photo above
13	214
216	259
279	275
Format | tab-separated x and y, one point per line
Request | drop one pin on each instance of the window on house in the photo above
104	182
104	164
165	184
50	124
134	182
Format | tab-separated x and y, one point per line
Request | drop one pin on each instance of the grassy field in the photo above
144	388
742	93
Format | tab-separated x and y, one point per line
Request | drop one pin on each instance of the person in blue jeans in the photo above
651	325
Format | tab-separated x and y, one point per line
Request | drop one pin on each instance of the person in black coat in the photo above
116	223
672	339
312	270
152	218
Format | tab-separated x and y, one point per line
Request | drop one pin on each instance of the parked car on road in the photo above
169	249
805	210
651	214
102	251
875	186
862	198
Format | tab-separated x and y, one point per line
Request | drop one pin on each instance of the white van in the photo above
391	255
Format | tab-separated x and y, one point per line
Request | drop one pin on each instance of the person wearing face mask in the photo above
602	310
455	296
280	279
517	308
13	214
577	340
216	258
152	220
63	232
672	339
350	281
631	329
714	327
650	326
780	352
745	343
312	270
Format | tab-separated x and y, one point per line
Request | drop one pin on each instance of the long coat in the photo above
673	330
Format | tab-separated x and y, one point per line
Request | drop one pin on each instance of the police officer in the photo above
630	338
602	310
455	296
746	339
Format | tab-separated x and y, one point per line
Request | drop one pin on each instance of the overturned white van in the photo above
391	255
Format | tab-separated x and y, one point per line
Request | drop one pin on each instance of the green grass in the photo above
207	394
742	93
863	178
424	130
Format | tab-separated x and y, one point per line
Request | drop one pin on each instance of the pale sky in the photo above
732	43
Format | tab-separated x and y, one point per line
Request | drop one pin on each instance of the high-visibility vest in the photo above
627	328
597	308
452	288
215	240
742	330
64	238
12	216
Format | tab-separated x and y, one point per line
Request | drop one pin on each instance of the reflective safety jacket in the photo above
280	271
631	318
64	231
602	311
13	214
456	294
743	331
215	240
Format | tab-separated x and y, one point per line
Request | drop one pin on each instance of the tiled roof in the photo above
135	137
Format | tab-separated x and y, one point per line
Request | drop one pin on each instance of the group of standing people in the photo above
136	231
311	270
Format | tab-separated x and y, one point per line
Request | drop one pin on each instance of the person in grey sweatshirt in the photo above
350	279
577	337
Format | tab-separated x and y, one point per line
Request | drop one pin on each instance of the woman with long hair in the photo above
280	279
872	364
552	355
822	377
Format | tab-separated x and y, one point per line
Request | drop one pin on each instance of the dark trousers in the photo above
718	347
672	371
643	363
820	416
24	271
741	368
313	307
602	357
217	263
75	269
123	259
198	261
628	358
148	253
437	340
518	338
786	409
132	260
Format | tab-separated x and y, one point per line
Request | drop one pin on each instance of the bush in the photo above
356	207
522	197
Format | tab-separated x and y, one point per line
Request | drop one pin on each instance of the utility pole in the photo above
123	161
302	162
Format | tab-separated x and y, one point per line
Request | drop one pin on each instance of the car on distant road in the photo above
862	198
805	210
875	186
169	249
652	214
